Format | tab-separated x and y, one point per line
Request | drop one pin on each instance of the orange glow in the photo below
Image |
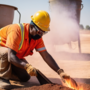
72	84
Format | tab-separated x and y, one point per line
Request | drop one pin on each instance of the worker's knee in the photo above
25	79
20	73
3	50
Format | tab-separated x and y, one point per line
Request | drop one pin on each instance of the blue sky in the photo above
85	13
29	7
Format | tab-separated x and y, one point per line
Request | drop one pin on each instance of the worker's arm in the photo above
49	60
15	60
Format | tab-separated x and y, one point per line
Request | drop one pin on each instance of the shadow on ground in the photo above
83	80
73	56
35	82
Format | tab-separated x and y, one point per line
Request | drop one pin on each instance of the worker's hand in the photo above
63	75
31	70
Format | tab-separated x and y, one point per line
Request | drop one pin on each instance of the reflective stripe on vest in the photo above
0	39
22	35
41	49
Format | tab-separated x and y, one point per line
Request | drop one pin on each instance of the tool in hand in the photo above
42	78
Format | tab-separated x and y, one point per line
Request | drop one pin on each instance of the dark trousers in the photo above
20	73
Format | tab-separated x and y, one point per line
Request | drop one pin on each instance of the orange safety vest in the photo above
22	48
22	35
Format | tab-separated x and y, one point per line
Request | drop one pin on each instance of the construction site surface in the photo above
74	64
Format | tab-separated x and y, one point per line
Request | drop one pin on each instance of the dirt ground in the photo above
67	57
46	87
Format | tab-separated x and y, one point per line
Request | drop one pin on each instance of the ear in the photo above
31	27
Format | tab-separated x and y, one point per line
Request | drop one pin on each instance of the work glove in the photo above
63	75
31	70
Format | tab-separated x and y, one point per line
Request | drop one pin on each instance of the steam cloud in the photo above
64	25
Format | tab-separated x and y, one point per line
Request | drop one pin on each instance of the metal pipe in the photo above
19	15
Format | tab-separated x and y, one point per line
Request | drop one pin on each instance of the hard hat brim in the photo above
42	28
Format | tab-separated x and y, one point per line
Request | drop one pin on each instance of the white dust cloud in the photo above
64	25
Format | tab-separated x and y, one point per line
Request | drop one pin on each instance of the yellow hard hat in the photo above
42	20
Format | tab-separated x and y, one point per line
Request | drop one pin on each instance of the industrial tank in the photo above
65	18
67	3
7	14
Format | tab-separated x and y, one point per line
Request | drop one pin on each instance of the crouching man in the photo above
18	41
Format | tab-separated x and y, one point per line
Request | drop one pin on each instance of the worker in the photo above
18	41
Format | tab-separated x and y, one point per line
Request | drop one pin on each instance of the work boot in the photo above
5	84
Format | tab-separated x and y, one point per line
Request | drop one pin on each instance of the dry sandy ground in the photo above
76	65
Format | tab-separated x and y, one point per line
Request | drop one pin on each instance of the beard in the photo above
36	37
